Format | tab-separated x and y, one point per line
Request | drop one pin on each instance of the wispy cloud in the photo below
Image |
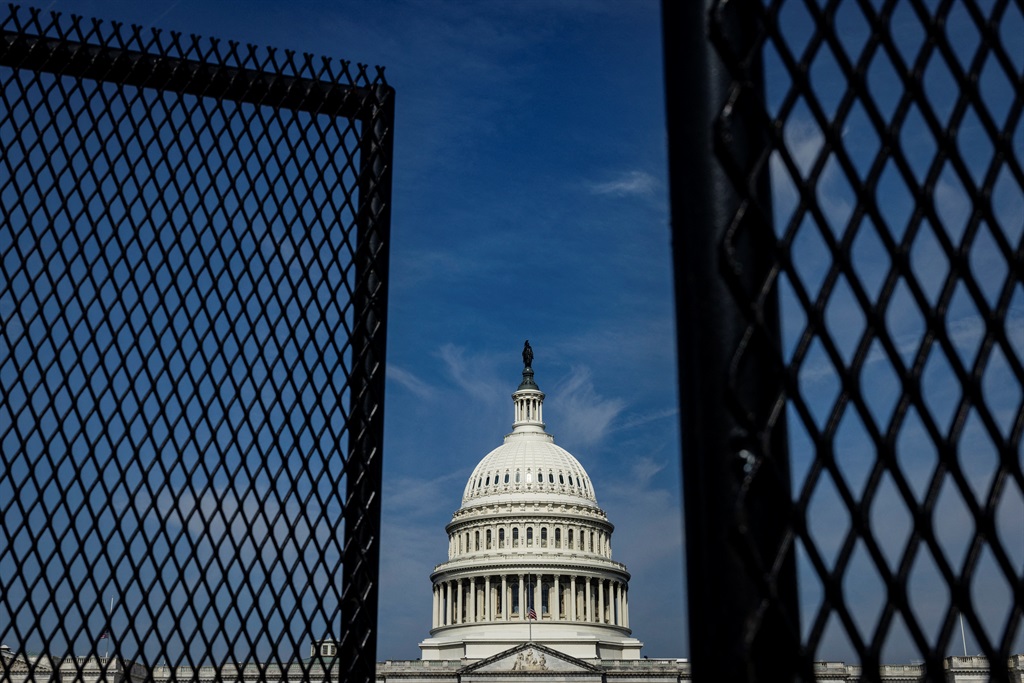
413	542
475	374
630	183
639	419
409	381
585	415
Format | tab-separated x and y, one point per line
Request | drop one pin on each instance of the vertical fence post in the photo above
364	476
743	618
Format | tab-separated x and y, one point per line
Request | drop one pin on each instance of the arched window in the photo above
558	538
561	479
568	540
515	537
529	478
517	476
488	482
477	539
544	537
506	477
488	541
591	541
501	538
529	536
551	477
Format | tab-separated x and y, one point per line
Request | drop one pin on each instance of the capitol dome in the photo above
529	553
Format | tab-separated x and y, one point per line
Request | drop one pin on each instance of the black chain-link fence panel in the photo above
850	259
193	262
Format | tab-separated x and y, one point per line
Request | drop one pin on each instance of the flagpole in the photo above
962	634
529	584
106	647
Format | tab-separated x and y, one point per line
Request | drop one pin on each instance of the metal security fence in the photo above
193	280
848	208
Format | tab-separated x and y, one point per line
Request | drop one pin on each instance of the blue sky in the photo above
530	202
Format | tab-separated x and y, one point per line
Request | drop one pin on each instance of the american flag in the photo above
104	635
532	614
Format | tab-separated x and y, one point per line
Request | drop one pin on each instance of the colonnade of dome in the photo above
529	554
508	597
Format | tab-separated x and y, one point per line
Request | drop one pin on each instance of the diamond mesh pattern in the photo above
892	133
192	287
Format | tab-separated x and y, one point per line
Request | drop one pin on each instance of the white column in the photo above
625	608
437	605
458	601
600	601
522	599
622	604
588	613
572	599
556	613
447	604
471	617
617	616
488	599
504	598
538	606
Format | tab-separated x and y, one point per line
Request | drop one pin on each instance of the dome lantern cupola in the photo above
528	398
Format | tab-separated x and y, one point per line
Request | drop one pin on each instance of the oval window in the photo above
506	477
529	478
561	479
517	476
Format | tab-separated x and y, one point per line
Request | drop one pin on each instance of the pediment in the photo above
530	658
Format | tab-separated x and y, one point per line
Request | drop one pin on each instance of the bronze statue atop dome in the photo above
527	355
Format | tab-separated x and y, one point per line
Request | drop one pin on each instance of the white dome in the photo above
529	465
529	553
